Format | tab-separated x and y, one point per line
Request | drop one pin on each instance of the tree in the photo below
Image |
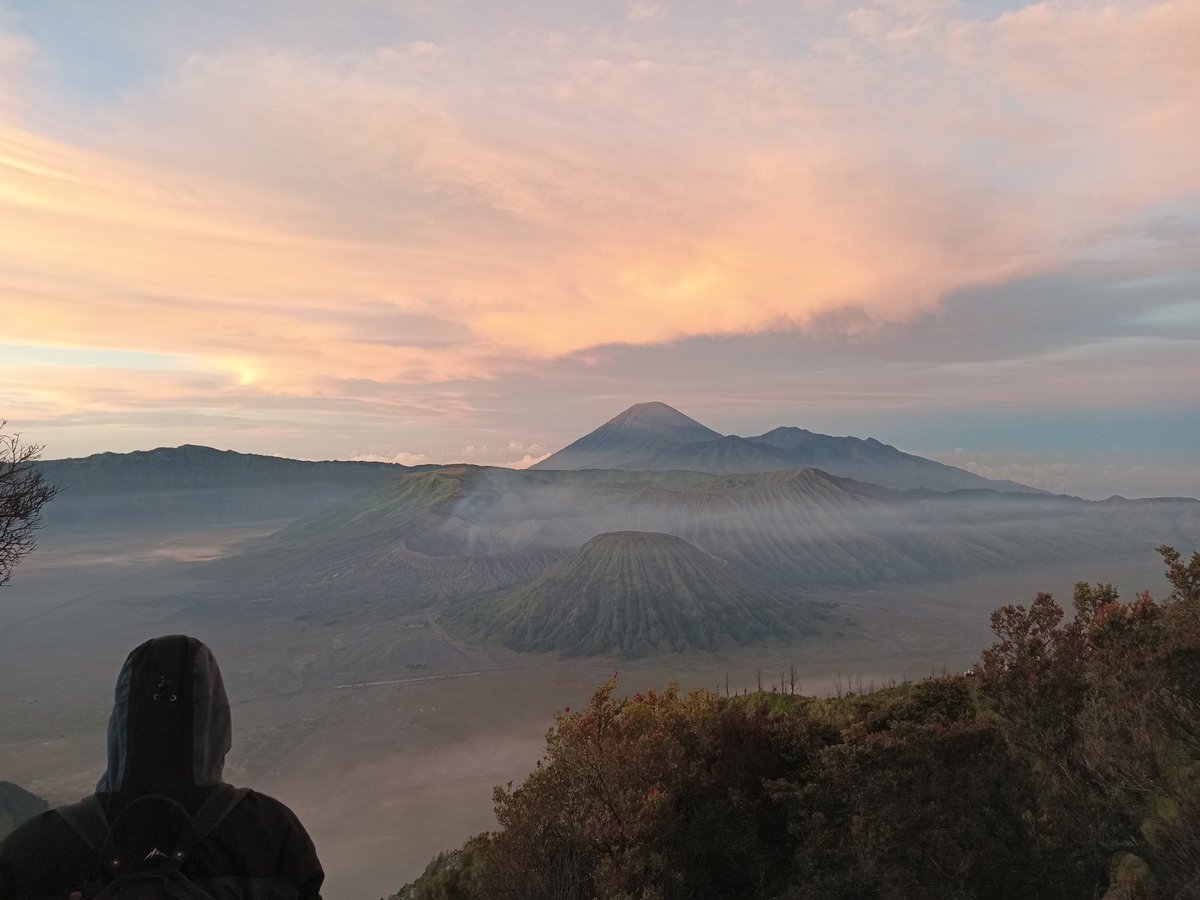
1107	708
1184	577
23	493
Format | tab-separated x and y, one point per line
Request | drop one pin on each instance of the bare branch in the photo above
23	493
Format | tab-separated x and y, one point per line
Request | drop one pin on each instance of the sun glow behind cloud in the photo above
451	196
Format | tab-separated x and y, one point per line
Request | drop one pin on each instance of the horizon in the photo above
523	464
451	233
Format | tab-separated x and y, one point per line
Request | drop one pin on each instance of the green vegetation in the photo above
1066	765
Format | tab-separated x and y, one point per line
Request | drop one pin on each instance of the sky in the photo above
462	231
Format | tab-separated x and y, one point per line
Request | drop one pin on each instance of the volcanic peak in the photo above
658	415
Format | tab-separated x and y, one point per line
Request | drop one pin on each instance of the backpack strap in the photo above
87	819
220	803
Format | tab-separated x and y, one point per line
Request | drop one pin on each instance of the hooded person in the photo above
167	739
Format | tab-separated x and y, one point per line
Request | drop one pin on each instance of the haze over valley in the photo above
397	638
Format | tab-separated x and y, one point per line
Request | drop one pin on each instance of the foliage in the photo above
1065	765
23	493
1106	707
453	875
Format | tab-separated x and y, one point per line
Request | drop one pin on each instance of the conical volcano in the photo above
645	430
632	593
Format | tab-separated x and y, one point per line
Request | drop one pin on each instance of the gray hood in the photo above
170	725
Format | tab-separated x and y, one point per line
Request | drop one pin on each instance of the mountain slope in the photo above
653	437
195	486
633	593
876	462
192	467
412	543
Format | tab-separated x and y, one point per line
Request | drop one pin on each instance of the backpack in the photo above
143	851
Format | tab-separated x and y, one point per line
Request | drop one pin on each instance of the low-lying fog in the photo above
386	738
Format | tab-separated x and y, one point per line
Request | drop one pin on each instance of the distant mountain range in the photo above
192	467
651	534
654	437
200	486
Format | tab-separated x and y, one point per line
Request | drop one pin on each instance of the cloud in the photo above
535	454
402	458
638	12
483	455
526	461
745	196
544	238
